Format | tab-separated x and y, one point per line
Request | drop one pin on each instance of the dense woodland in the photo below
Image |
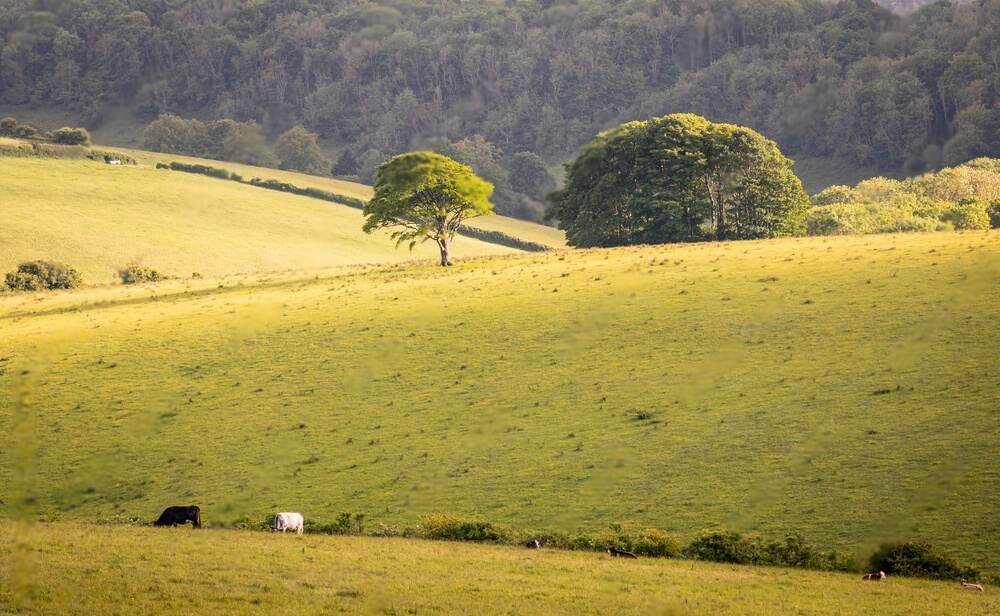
849	79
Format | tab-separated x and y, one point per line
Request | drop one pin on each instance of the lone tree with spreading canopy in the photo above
426	196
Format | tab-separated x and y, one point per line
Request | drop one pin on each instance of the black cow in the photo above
172	516
615	552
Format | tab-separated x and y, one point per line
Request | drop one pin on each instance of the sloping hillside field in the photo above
164	571
843	388
100	218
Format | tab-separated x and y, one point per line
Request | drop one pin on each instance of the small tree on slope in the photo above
426	196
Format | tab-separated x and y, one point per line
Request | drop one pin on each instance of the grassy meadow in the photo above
843	388
167	571
100	218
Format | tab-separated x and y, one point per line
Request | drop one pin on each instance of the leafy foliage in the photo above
43	275
241	142
135	273
918	559
424	195
678	178
297	149
955	197
71	136
843	78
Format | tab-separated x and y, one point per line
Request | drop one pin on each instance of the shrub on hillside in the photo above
864	218
994	212
71	136
7	126
833	194
969	213
731	547
918	559
27	131
214	172
724	547
457	529
50	150
43	275
656	543
134	274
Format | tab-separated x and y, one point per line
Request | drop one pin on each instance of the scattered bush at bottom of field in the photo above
134	273
457	529
42	276
906	559
731	547
918	559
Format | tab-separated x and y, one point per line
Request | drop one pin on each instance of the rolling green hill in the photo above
100	218
843	388
43	568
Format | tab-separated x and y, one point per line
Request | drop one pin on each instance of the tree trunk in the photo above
443	245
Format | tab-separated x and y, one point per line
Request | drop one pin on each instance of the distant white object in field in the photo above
874	577
971	586
286	521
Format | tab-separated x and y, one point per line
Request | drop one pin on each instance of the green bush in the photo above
656	543
994	212
969	213
214	172
457	529
71	136
134	273
918	559
8	127
724	547
43	275
864	218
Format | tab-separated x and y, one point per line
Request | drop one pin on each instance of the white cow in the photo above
289	521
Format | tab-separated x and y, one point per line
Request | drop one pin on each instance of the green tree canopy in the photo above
298	149
678	178
426	196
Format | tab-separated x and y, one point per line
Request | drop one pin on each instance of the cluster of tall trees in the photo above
241	142
678	178
375	78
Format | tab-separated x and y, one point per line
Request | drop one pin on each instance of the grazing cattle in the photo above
534	544
874	577
287	520
615	552
172	516
971	586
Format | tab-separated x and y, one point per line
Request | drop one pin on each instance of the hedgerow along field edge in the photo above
163	571
841	388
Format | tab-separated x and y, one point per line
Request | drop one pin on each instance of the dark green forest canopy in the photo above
822	78
678	178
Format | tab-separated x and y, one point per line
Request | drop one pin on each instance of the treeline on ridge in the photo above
847	78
